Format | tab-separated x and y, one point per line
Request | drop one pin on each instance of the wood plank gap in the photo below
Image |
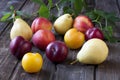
23	5
95	68
16	65
4	28
117	2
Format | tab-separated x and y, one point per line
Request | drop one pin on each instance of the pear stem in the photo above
14	14
74	62
72	14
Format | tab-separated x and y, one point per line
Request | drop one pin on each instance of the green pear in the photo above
94	51
21	28
63	23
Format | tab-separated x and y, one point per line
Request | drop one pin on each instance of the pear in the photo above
63	23
94	51
21	28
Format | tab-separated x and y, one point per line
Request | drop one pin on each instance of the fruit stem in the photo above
72	14
14	14
74	62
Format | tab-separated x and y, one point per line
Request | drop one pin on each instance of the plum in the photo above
56	51
94	33
19	46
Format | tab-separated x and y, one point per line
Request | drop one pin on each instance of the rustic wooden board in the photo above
110	69
71	72
4	44
8	62
107	5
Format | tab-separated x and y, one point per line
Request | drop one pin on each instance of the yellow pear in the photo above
94	51
21	28
63	23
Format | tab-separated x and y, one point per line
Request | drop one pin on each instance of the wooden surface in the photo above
11	69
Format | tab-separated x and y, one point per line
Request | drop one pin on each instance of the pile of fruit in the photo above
79	33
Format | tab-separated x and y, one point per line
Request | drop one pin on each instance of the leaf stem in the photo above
57	7
97	18
54	6
106	23
98	23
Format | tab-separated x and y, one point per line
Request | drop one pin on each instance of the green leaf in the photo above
11	8
64	1
112	17
78	6
68	10
20	13
91	15
17	17
6	16
108	33
53	18
44	11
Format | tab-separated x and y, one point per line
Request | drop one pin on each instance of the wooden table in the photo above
11	69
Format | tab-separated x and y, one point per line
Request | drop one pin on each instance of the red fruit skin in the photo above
42	38
56	51
82	23
41	23
19	46
94	33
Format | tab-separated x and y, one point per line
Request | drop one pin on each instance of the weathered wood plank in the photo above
69	72
7	66
107	5
8	62
48	69
20	74
110	69
118	4
4	43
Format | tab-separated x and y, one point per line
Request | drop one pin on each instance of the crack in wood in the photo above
118	5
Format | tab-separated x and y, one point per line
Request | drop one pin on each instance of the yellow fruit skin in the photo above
63	23
94	51
32	62
21	28
74	39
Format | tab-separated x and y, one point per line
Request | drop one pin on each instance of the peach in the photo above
41	23
82	23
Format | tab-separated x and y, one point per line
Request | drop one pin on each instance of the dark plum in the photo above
19	46
57	51
94	33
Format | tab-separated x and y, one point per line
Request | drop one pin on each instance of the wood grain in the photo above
68	72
